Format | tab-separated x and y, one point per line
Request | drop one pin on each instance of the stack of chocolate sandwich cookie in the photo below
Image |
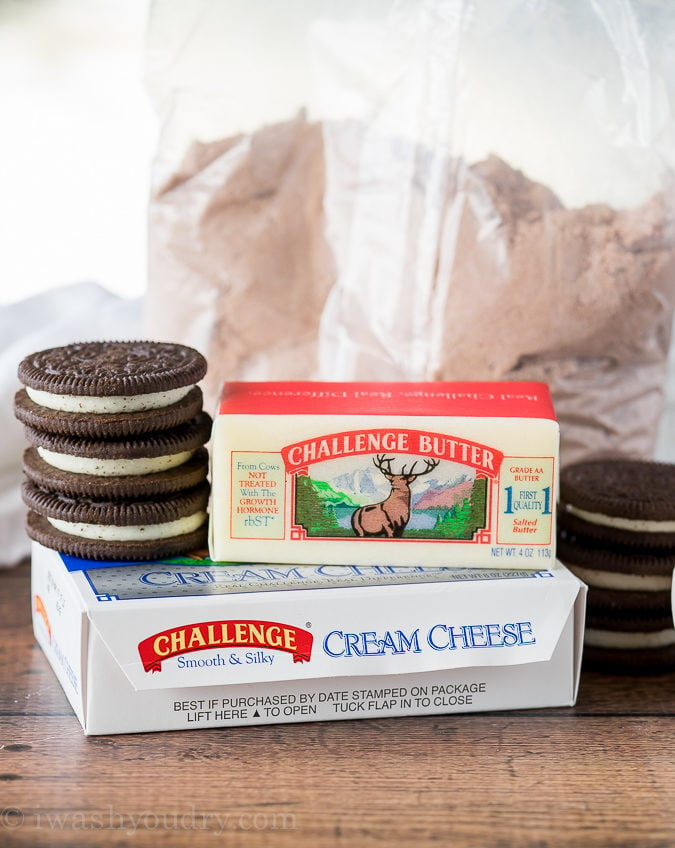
116	468
616	532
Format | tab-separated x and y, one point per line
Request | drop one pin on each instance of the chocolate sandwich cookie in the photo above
616	568
125	487
151	453
632	614
620	501
616	532
110	424
110	389
628	589
629	652
111	530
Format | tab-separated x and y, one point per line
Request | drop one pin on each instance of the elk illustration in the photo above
389	517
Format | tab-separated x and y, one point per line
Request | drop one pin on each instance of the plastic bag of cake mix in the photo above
422	190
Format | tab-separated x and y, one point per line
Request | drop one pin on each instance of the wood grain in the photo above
599	774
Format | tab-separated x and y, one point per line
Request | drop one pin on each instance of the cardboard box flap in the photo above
60	627
254	637
579	628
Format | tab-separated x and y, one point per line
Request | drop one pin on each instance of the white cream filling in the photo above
637	525
113	467
106	405
623	582
614	639
133	533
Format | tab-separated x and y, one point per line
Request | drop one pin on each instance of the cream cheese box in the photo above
189	643
403	473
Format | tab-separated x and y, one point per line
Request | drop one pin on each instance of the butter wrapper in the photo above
453	474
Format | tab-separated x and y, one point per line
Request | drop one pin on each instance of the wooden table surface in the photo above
599	774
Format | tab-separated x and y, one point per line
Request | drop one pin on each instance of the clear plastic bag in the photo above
419	191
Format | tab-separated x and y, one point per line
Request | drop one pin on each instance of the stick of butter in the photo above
454	474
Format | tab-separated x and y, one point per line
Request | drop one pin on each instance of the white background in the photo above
77	137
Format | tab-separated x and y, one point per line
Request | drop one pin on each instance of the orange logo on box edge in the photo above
42	612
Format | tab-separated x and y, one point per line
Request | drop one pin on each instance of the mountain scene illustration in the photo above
328	495
448	505
444	496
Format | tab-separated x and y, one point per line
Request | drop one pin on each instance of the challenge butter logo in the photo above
391	484
412	442
224	634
